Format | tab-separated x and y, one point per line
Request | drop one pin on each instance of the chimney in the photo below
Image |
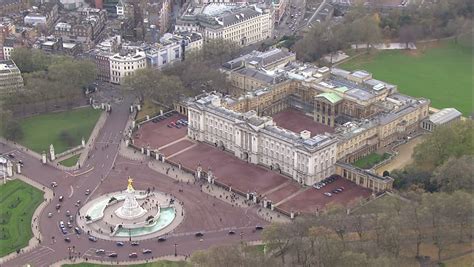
305	134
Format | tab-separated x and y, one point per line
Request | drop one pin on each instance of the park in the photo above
18	201
439	70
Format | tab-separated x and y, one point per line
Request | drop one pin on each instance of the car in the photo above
78	203
335	191
69	225
258	227
133	255
92	238
120	244
77	230
317	187
198	234
61	224
64	231
231	232
169	126
50	215
58	206
146	251
100	251
161	239
67	239
54	184
178	126
173	123
112	255
11	156
328	194
61	198
154	120
135	243
88	191
68	213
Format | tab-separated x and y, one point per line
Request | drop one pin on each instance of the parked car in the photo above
133	255
113	255
119	244
135	243
100	251
69	224
161	239
146	251
61	224
328	194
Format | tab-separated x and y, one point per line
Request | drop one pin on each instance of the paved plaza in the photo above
158	134
296	121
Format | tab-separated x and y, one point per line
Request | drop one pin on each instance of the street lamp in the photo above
129	234
175	250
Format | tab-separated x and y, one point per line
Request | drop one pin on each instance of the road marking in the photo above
48	248
72	192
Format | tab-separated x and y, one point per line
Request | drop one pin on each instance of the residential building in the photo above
158	13
241	24
72	4
10	77
279	7
125	64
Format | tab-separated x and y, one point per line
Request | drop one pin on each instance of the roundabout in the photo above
130	213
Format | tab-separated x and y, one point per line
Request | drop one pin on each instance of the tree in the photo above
277	238
30	60
409	34
167	90
142	82
455	173
13	130
447	141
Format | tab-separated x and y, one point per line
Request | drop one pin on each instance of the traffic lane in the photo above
185	245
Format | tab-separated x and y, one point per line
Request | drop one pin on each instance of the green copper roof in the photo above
342	89
331	97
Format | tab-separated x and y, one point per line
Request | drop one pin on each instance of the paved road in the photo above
202	212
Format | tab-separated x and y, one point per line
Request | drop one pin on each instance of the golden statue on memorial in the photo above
130	186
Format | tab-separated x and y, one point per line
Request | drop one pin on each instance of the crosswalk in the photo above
38	257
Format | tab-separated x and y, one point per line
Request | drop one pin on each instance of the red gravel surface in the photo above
296	121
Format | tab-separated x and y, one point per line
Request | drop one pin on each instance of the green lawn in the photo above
69	162
441	72
370	160
162	263
18	201
42	130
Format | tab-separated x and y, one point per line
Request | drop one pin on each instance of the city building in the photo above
158	13
43	16
72	4
84	26
10	77
279	7
241	24
445	116
125	64
258	140
8	7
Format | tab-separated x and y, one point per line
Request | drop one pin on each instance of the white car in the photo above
328	194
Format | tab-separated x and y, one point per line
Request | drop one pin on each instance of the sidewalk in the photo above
82	260
35	240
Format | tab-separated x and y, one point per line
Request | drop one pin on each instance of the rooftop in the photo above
445	115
